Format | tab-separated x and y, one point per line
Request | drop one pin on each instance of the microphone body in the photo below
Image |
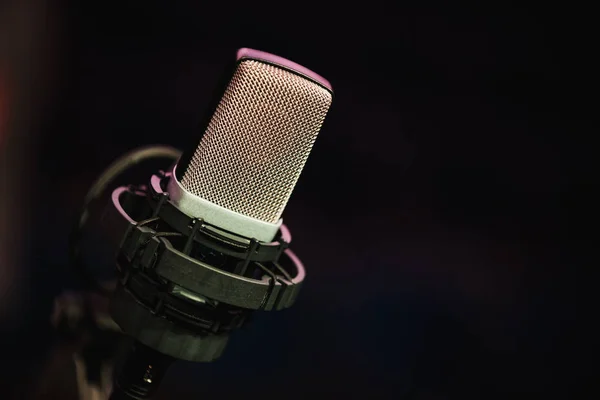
202	246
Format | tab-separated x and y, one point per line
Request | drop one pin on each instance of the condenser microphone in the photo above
248	160
202	246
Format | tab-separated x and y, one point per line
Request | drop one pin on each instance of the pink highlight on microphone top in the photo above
284	63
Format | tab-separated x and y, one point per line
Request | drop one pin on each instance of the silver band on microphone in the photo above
197	207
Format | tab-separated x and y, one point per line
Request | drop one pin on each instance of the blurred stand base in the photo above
89	344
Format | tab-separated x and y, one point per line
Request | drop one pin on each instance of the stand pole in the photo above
141	374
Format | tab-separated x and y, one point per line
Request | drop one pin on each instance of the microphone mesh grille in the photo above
257	141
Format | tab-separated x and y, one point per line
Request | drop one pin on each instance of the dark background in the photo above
431	214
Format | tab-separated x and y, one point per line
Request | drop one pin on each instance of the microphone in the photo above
246	164
203	246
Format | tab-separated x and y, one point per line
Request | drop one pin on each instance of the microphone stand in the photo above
141	374
131	381
87	347
98	349
183	285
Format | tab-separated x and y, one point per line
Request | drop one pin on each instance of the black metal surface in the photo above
168	336
170	300
141	374
143	249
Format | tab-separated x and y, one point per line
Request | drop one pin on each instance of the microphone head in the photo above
255	145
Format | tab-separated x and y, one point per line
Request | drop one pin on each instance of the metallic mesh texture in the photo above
257	141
